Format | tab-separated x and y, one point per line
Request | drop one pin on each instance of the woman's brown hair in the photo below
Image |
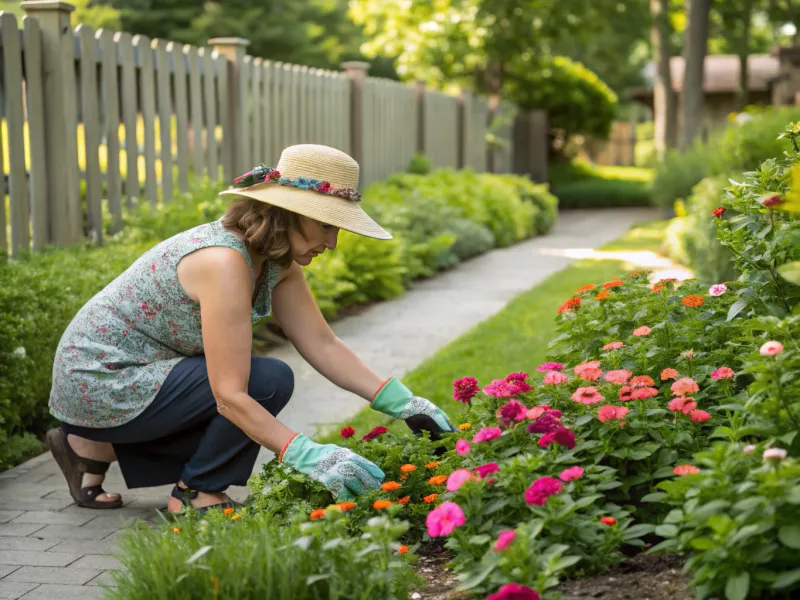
265	227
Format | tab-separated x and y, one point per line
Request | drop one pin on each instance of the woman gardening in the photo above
157	370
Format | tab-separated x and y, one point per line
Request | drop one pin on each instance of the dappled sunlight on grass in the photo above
631	259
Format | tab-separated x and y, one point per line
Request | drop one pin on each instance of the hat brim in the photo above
333	210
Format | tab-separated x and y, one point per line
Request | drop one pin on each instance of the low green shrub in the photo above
420	164
580	184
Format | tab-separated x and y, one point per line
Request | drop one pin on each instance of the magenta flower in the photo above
513	410
555	378
514	591
443	519
486	434
723	373
541	489
547	423
587	395
562	437
517	377
379	430
518	387
504	540
571	474
464	389
499	388
550	366
618	377
458	478
463	447
610	412
771	348
487	469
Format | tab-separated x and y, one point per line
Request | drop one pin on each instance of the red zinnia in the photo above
610	521
719	211
613	284
347	432
464	389
379	430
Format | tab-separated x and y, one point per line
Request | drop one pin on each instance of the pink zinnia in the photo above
379	430
518	387
504	539
613	346
571	474
486	434
669	374
699	416
625	393
641	381
550	366
723	373
538	411
618	377
464	389
499	388
771	348
555	378
640	393
547	423
591	374
685	385
462	447
517	377
487	469
541	489
717	290
611	413
513	410
443	519
682	404
642	331
592	364
458	478
514	591
562	437
587	395
347	432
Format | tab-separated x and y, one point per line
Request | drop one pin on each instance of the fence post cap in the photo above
355	65
46	5
229	41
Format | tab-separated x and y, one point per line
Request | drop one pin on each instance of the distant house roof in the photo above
721	74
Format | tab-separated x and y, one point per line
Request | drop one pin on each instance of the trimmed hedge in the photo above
580	184
438	220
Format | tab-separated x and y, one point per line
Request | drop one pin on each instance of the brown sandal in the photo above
74	466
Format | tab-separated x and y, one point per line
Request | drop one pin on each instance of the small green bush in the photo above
580	184
419	164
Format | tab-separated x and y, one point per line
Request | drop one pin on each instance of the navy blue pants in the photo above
181	436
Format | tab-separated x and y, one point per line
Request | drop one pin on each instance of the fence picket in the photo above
257	98
210	104
91	131
34	90
267	126
196	110
226	125
110	92
164	116
147	81
133	188
181	114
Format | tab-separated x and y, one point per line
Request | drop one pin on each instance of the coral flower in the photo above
227	511
699	416
381	504
692	301
587	395
569	305
657	287
464	389
443	519
685	385
378	431
613	346
403	549
175	530
432	465
550	366
592	364
554	378
591	374
717	290
771	348
390	486
465	426
610	521
602	296
458	478
618	377
625	393
667	374
541	489
613	284
682	404
437	479
642	331
640	393
514	591
563	437
571	474
611	413
317	514
404	500
685	470
408	468
345	506
723	373
641	381
486	434
463	447
347	432
504	540
586	288
487	469
430	499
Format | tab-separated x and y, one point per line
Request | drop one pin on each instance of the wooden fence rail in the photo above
92	121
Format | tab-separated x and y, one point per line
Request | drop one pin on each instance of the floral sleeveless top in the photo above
118	350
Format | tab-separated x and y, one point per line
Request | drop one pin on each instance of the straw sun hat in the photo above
315	181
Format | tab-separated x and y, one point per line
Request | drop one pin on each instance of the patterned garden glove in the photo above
396	400
343	472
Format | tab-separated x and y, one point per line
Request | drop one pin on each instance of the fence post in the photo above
65	222
540	145
419	91
356	71
494	103
234	134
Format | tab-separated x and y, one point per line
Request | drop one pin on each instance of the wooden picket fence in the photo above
94	120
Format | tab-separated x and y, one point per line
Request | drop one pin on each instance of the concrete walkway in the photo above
49	547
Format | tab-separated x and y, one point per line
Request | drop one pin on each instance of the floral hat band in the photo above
265	174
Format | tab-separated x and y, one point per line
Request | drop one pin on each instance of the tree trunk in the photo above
743	94
663	94
692	94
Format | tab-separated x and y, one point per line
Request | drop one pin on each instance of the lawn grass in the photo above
514	339
581	184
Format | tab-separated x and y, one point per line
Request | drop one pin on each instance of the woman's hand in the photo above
342	471
396	400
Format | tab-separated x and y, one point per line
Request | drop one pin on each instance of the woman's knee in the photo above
271	382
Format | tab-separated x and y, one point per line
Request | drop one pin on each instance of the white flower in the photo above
771	348
19	352
748	449
774	454
717	290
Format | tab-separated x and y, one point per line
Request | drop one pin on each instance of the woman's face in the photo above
313	240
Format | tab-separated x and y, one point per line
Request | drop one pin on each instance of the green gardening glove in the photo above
343	472
396	400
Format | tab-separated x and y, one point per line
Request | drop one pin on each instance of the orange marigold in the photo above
403	549
641	380
430	499
613	284
693	301
465	426
602	296
569	305
657	287
437	479
390	486
317	514
408	468
381	504
227	511
345	506
175	530
432	465
404	500
586	288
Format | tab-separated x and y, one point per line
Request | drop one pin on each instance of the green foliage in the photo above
419	164
580	184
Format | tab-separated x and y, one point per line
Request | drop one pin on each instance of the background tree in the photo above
663	95
692	93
